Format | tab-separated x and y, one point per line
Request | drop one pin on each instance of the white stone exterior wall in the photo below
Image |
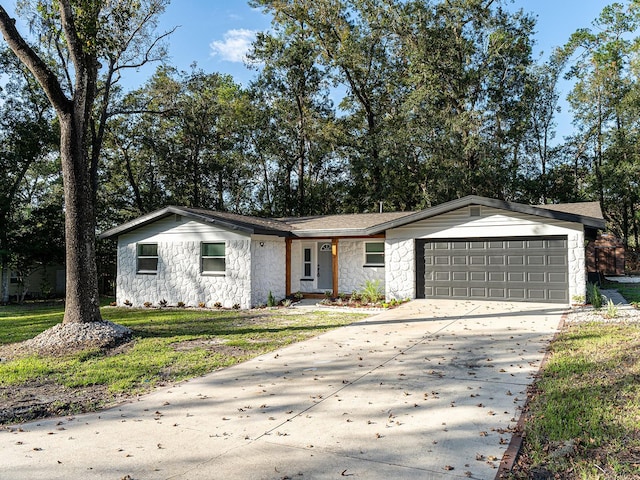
400	269
352	274
577	266
179	279
268	269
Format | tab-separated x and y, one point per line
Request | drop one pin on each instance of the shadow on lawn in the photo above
172	323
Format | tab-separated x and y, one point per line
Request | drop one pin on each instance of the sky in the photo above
216	34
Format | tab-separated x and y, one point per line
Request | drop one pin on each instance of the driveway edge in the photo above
513	450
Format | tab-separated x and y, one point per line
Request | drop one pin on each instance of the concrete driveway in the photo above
428	390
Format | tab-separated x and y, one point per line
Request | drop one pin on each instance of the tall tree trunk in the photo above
82	300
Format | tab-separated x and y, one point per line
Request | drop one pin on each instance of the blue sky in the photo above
217	33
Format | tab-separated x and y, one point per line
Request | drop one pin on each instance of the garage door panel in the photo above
515	260
556	260
460	276
558	295
497	293
521	269
478	276
442	276
537	295
535	277
477	260
497	276
459	260
517	293
515	276
557	278
535	259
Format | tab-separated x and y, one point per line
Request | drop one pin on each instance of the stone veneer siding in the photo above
268	270
179	279
400	271
352	274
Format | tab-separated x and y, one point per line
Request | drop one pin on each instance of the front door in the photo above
325	265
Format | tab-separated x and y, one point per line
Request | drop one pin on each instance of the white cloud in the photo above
235	45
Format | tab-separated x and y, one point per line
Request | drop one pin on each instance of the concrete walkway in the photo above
425	391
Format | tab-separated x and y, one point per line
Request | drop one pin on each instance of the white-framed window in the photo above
307	265
213	259
374	254
14	277
147	258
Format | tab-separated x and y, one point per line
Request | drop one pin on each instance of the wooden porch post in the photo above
334	265
287	285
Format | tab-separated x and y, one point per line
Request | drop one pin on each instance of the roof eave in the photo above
330	233
164	212
488	202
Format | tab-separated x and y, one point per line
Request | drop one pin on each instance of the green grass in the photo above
154	356
588	395
630	291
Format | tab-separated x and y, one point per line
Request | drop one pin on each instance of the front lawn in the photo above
168	345
583	418
630	291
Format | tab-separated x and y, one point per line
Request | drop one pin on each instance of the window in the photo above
474	211
306	262
14	277
148	258
213	258
374	253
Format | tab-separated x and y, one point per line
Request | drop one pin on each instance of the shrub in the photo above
181	305
163	302
128	303
371	292
202	304
594	297
271	301
217	305
286	303
147	304
612	310
236	306
298	296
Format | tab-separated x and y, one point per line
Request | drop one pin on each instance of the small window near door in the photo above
374	254
213	258
147	258
306	262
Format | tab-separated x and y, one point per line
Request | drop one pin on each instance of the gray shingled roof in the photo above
585	209
256	223
335	224
360	224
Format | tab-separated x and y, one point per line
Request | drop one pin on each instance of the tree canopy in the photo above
354	103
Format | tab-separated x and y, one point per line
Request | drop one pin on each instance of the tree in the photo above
27	139
82	34
604	101
293	89
182	146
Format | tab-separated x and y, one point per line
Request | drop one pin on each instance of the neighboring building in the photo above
605	256
43	282
472	247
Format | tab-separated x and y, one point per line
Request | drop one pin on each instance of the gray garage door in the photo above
516	269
